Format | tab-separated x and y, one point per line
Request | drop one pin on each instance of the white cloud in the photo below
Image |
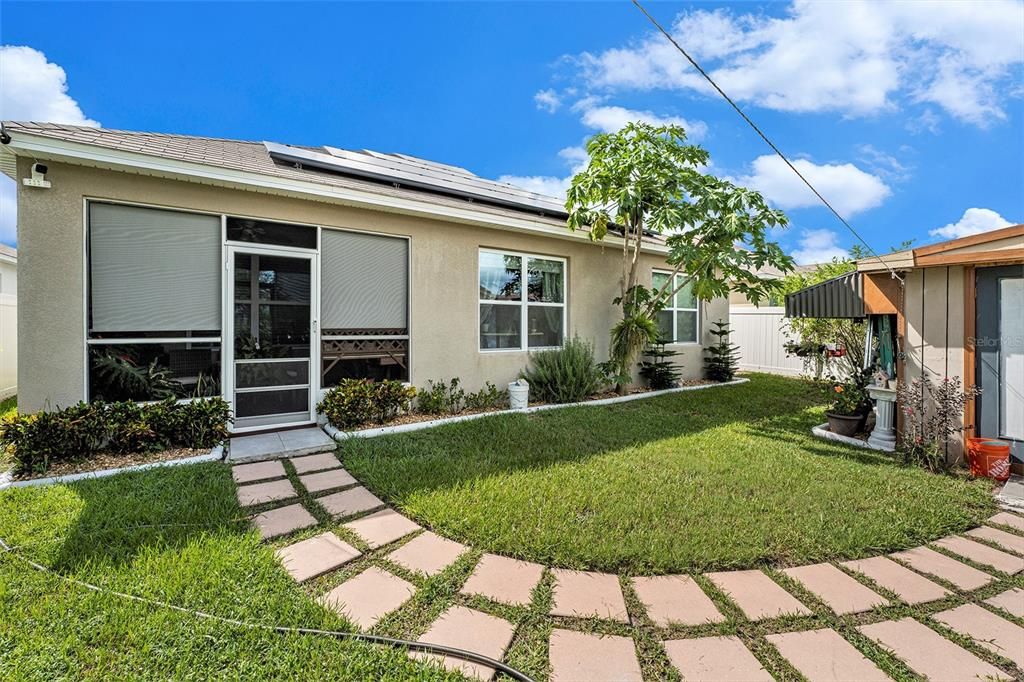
610	119
547	185
857	57
548	100
818	246
848	188
883	164
973	221
550	185
605	119
33	89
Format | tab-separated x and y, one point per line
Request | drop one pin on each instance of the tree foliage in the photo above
821	331
644	181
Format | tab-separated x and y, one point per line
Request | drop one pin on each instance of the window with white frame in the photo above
522	301
679	320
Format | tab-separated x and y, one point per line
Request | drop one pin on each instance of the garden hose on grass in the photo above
437	649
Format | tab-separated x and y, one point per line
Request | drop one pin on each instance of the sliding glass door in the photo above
271	326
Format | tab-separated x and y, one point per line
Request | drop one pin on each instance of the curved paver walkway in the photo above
950	610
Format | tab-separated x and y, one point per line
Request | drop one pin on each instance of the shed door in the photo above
1000	355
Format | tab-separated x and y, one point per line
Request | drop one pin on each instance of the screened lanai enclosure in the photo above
187	305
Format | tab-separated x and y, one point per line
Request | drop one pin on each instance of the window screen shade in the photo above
364	281
153	270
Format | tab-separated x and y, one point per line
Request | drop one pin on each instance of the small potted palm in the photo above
849	408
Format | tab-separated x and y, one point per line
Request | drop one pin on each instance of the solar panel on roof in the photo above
418	174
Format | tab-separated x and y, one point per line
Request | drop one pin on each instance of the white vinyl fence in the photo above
761	333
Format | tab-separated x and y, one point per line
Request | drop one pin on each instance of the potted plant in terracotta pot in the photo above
849	408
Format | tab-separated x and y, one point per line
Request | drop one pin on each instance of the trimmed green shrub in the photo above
393	397
487	398
566	375
354	402
659	370
81	431
129	428
441	397
36	440
198	424
723	359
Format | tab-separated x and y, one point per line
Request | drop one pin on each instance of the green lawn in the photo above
9	406
720	477
726	477
111	532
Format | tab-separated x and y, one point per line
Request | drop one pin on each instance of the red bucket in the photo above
989	457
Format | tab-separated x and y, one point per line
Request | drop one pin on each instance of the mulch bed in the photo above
111	461
417	417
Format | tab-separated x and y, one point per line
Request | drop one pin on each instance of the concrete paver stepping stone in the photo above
988	630
757	595
715	659
578	656
261	493
260	471
911	587
982	554
428	554
276	522
824	656
586	594
1011	601
349	502
382	528
1008	541
1008	519
325	480
941	566
839	591
469	630
676	599
369	596
928	653
304	465
505	580
315	556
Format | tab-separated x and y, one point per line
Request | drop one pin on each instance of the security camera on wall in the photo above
38	178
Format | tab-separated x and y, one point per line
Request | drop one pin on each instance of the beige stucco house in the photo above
265	273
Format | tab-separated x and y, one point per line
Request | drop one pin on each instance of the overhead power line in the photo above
763	136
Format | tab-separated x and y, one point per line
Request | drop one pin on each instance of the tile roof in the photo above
252	157
237	155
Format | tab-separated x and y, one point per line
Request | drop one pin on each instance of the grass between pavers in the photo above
727	477
174	535
112	532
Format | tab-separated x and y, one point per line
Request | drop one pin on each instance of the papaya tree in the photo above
645	186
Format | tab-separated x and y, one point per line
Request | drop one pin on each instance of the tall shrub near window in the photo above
645	180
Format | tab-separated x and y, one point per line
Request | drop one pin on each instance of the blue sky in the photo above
908	116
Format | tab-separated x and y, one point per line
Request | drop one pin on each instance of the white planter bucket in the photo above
519	394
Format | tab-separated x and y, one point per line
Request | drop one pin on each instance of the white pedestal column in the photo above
884	434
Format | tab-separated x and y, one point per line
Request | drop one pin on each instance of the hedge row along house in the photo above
265	273
955	310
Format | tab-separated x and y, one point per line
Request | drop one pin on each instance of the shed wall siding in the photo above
934	307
